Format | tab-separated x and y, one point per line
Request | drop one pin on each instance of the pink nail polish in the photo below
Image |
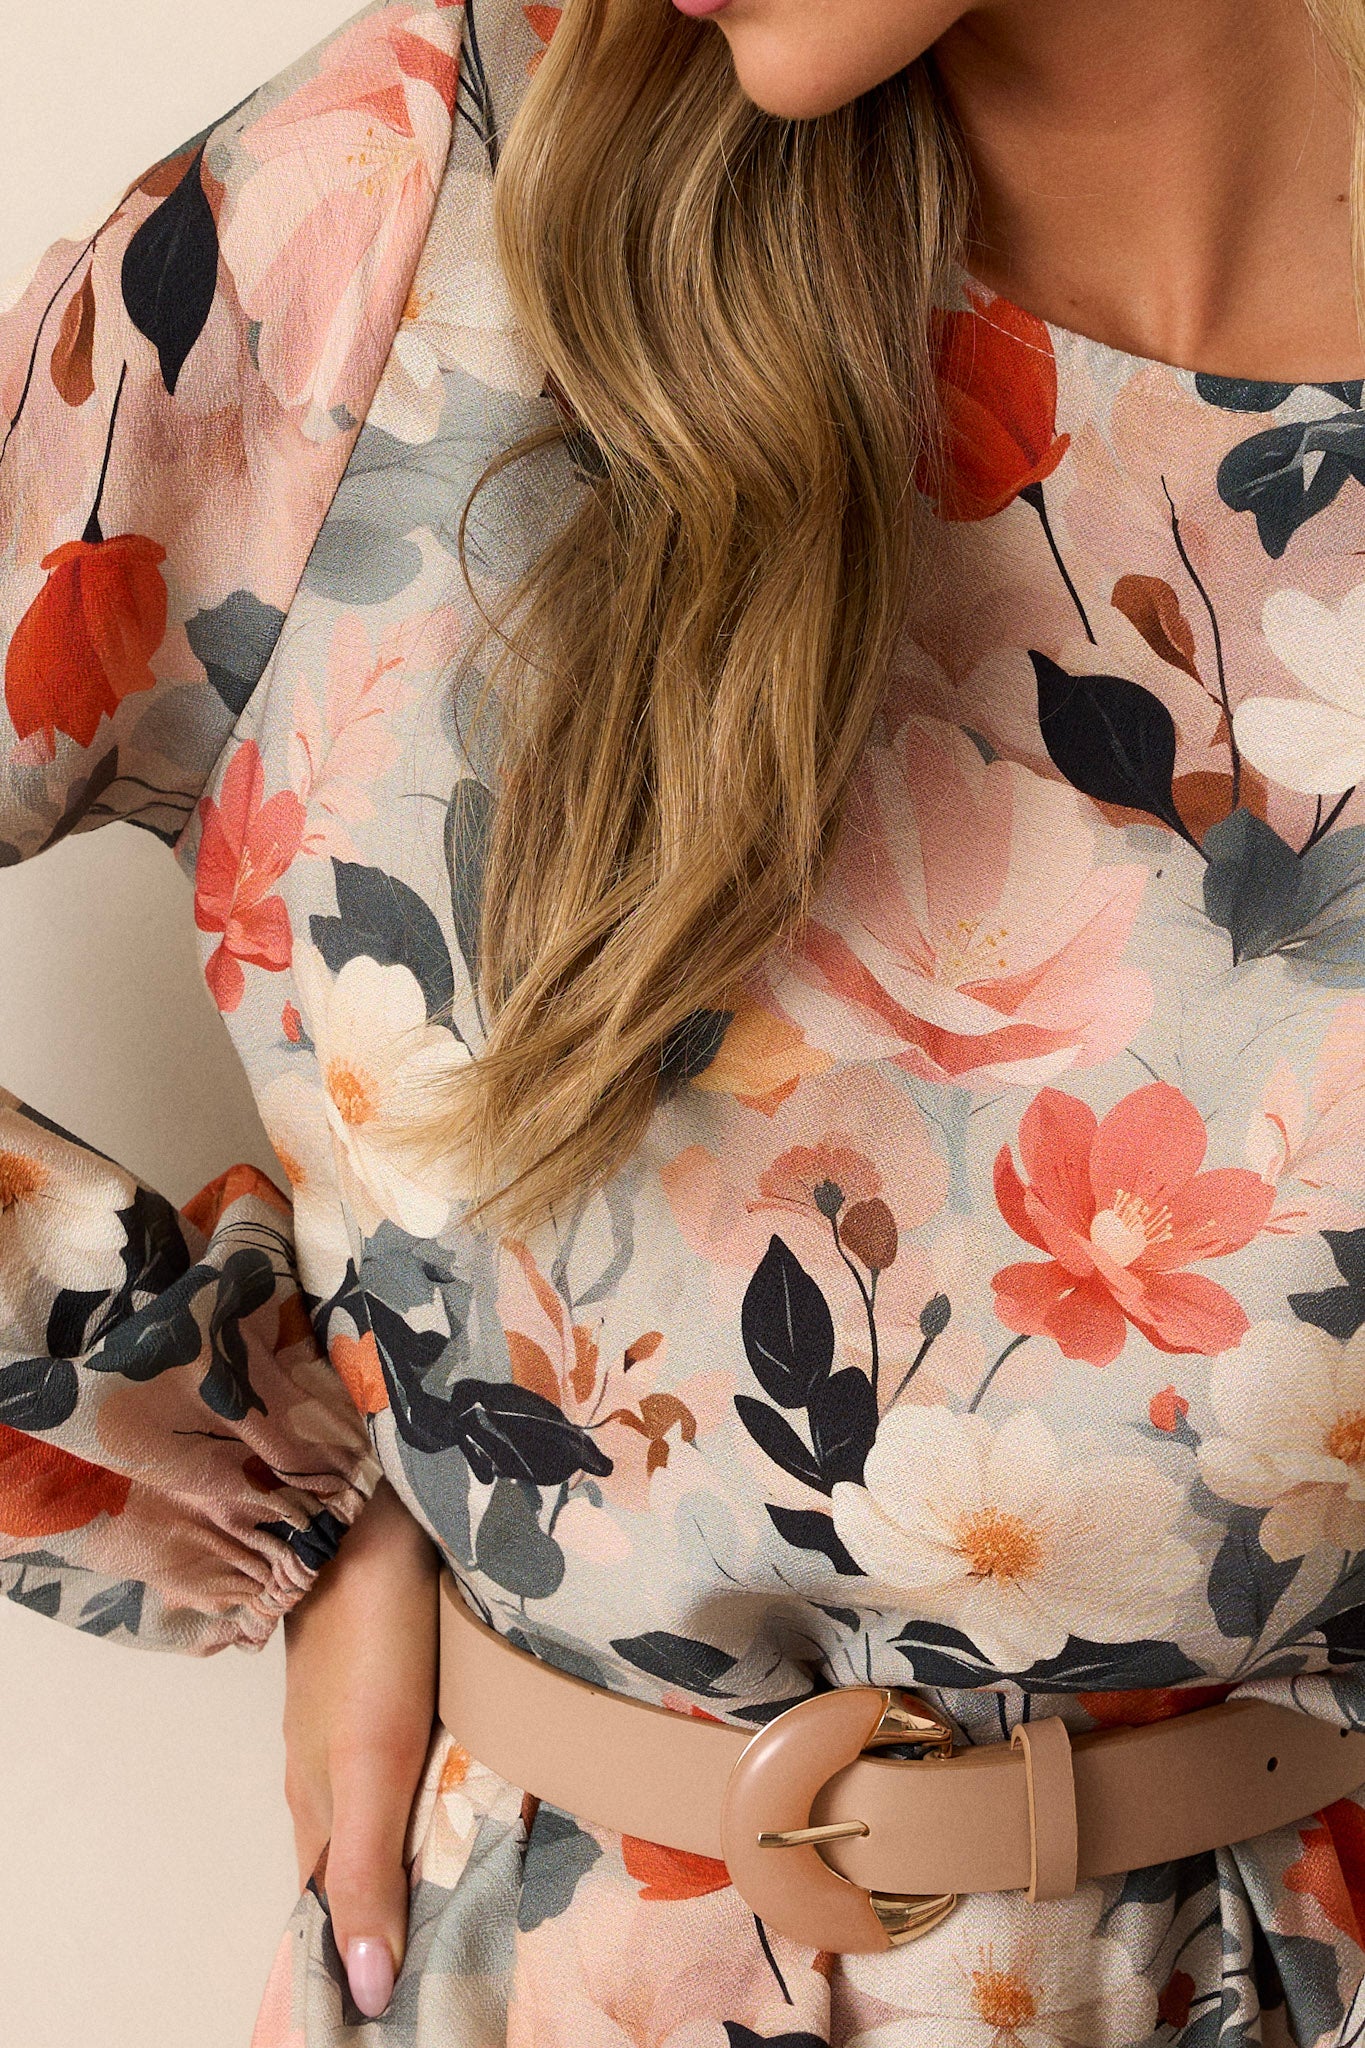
369	1968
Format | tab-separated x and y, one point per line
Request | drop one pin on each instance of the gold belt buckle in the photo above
776	1778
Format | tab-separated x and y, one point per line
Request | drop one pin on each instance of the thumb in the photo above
366	1882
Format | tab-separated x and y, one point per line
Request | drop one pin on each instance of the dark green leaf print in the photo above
38	1393
843	1424
775	1435
1308	907
808	1529
160	1336
424	1420
235	641
942	1656
512	1548
112	1608
558	1852
787	1328
1289	473
678	1660
1251	885
1245	1583
381	918
1339	1311
247	1283
1111	739
170	272
511	1432
737	2036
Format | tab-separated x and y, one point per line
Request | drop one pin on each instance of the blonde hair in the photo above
735	313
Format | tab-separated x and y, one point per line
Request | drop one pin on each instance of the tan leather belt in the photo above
845	1850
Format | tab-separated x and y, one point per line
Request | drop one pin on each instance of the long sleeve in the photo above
180	392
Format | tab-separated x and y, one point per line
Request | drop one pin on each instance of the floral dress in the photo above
984	1310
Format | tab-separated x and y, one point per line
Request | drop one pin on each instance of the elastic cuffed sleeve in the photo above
177	1460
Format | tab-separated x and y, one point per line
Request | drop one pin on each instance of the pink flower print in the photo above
846	1173
245	848
841	1142
1122	1208
343	745
967	931
347	170
1313	1152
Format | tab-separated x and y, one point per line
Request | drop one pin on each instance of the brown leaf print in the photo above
72	366
1152	607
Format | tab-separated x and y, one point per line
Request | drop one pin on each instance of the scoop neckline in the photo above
1072	338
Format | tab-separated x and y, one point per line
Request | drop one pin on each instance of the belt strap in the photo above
1033	1814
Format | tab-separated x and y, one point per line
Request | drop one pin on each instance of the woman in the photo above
818	1060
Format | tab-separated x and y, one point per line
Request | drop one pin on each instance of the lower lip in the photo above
700	7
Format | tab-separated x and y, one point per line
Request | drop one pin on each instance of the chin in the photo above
778	84
797	64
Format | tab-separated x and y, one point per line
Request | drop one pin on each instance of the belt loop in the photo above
1046	1747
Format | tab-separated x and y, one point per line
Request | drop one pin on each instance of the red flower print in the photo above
357	1363
544	20
671	1873
1332	1866
1121	1208
997	387
245	848
45	1490
1150	1703
1165	1410
86	641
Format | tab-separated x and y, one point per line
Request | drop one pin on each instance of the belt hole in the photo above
1273	1763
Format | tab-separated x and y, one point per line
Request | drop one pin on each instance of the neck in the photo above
1171	176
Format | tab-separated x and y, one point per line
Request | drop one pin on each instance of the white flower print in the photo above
1290	1403
1006	1974
1315	746
58	1219
298	1126
379	1058
458	316
1000	1534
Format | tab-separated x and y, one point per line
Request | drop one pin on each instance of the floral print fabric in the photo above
984	1313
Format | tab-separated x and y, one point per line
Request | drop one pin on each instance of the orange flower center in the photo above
455	1769
1130	1227
1346	1439
416	306
21	1178
967	952
1003	2000
998	1545
353	1091
293	1171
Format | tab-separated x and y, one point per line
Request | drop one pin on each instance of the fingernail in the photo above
369	1968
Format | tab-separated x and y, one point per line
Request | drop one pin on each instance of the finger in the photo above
373	1783
310	1839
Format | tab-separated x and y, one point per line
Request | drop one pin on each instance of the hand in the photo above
360	1699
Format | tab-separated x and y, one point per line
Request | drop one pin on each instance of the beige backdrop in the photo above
145	1860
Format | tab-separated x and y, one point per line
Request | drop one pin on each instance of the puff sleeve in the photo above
180	391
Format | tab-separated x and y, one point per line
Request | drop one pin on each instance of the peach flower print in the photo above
618	1392
1122	1208
844	1172
1007	967
246	846
347	170
1313	1153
